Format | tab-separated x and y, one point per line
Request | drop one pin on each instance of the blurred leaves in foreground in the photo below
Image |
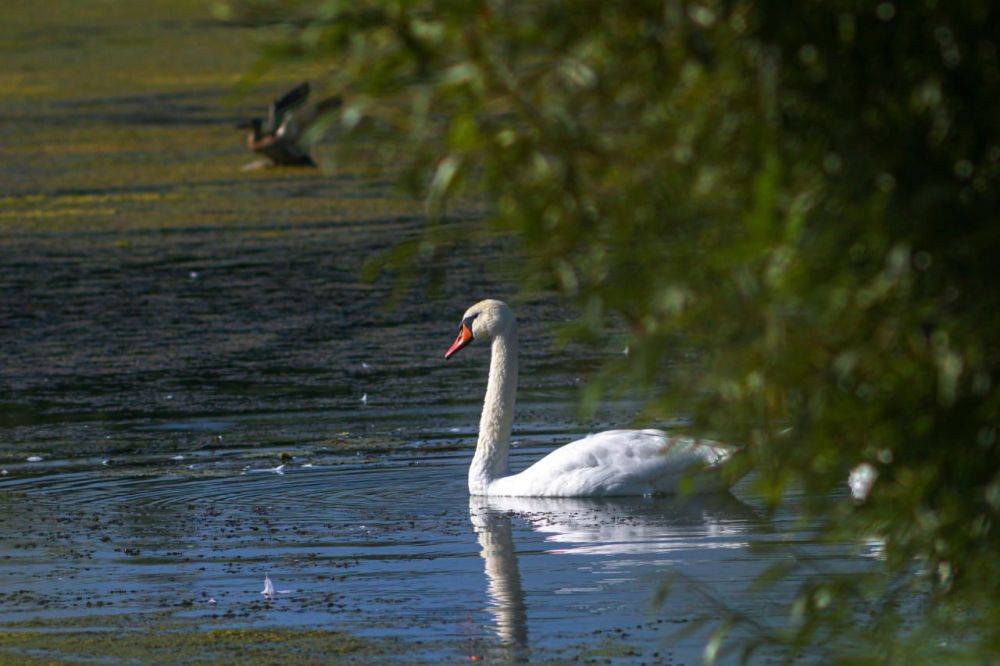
793	206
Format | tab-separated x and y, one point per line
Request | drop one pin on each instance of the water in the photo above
368	528
388	546
160	404
172	330
163	386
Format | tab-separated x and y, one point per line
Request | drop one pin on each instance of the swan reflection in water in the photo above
614	526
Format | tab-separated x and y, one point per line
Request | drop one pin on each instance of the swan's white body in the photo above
616	463
612	463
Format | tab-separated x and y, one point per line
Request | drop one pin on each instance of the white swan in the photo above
612	463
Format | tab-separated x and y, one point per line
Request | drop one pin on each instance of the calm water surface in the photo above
160	388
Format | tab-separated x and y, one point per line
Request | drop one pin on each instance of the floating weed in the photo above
242	645
41	214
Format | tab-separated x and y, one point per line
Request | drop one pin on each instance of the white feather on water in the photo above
280	469
269	590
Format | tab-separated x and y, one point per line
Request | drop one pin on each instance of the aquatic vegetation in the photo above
263	646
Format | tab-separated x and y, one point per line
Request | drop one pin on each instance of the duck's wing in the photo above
285	104
304	118
620	462
297	123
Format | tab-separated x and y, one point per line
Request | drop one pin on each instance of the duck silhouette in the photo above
279	137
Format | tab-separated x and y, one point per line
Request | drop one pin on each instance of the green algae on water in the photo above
248	646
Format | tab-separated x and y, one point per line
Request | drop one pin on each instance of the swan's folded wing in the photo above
616	462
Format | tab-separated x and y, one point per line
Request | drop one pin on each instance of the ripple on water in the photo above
390	546
312	490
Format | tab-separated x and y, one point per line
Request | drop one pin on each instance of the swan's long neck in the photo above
490	461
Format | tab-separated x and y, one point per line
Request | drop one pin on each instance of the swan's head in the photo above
483	321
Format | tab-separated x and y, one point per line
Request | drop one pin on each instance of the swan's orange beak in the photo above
463	339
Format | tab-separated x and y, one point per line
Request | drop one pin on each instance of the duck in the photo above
278	137
614	463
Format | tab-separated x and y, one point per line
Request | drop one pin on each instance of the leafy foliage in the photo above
801	197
